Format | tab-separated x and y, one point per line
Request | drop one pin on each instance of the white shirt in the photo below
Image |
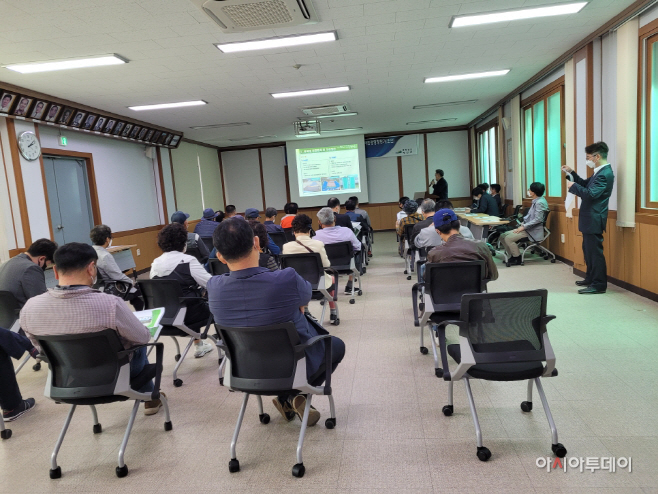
167	262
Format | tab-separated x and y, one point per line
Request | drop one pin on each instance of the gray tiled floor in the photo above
391	434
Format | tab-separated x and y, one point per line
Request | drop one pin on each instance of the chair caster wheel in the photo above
330	423
221	381
359	293
408	277
364	271
178	383
168	426
322	302
552	261
424	350
264	418
177	357
234	466
421	306
507	264
298	470
352	301
526	406
522	264
122	471
559	450
447	411
438	372
405	271
98	428
483	454
417	324
6	434
56	473
36	367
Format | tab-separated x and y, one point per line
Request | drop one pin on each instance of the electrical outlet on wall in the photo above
139	252
562	238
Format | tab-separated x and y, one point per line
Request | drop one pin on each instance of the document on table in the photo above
151	319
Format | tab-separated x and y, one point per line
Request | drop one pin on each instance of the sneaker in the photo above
299	404
284	409
23	408
152	407
202	348
348	288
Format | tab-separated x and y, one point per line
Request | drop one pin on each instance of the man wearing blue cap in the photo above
456	248
195	246
207	225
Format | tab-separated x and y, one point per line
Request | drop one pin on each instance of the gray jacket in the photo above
108	267
533	222
429	238
20	276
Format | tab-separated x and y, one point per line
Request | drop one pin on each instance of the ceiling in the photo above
385	50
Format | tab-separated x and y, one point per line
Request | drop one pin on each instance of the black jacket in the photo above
440	189
419	226
487	205
594	193
343	220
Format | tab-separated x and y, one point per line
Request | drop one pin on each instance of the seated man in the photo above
350	212
253	214
174	264
11	401
401	214
73	307
341	219
276	297
495	193
429	237
411	217
207	225
101	239
230	211
195	246
333	234
360	211
291	212
427	208
485	203
532	226
23	275
270	216
456	248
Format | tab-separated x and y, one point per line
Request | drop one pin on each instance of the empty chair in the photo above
309	267
269	360
341	255
217	267
10	309
502	337
169	294
92	369
279	238
503	209
409	251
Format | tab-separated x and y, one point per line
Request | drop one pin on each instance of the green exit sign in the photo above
63	141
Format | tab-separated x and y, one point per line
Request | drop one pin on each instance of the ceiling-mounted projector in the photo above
307	128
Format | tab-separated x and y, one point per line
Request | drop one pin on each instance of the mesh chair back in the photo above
208	242
504	327
503	210
308	266
422	253
279	238
162	293
290	236
217	267
340	255
263	359
407	234
10	309
448	281
196	253
83	365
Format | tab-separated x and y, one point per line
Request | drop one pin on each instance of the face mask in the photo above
44	267
590	163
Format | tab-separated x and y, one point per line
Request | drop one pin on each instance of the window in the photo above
487	153
649	175
543	148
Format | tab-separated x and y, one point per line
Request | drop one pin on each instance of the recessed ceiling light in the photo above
516	14
250	138
279	42
73	63
431	121
350	114
162	106
461	77
220	126
440	105
310	92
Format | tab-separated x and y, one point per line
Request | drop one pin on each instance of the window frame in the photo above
644	172
479	132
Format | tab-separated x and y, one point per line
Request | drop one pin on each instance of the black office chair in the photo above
342	258
502	337
10	309
208	242
196	253
422	259
92	369
503	209
269	360
279	238
290	236
169	294
442	294
535	246
409	251
309	267
217	267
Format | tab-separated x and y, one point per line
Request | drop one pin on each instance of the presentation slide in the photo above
327	167
328	170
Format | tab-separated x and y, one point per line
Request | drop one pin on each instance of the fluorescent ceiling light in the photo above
441	105
342	130
220	126
250	138
461	77
516	14
310	92
162	106
350	114
431	121
279	42
76	63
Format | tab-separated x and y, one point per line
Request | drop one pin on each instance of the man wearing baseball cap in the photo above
207	225
456	248
254	214
195	246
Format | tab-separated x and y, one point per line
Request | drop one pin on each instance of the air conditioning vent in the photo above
250	15
315	111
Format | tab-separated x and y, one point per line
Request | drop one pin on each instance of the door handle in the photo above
60	227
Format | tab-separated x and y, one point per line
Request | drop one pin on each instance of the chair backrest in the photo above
196	253
83	365
217	267
422	253
517	209
279	238
208	242
162	293
448	281
503	209
546	217
262	359
505	327
290	236
340	254
407	234
10	309
307	265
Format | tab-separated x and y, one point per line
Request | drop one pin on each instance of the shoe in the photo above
515	261
202	348
583	283
310	316
299	404
590	290
23	408
152	407
284	409
348	288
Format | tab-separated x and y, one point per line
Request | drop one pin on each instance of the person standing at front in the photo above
594	194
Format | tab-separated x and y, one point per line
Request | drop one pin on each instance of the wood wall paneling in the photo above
18	177
648	261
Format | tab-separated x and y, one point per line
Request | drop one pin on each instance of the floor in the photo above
391	435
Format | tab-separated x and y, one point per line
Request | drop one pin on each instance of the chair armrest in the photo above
182	299
441	331
337	275
327	358
211	319
414	299
159	354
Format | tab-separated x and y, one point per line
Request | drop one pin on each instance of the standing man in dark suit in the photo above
439	186
594	194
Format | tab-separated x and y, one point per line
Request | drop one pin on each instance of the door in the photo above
68	196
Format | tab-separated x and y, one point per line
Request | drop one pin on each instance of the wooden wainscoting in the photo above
146	240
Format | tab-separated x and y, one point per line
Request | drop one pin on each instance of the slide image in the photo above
331	183
336	166
312	185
